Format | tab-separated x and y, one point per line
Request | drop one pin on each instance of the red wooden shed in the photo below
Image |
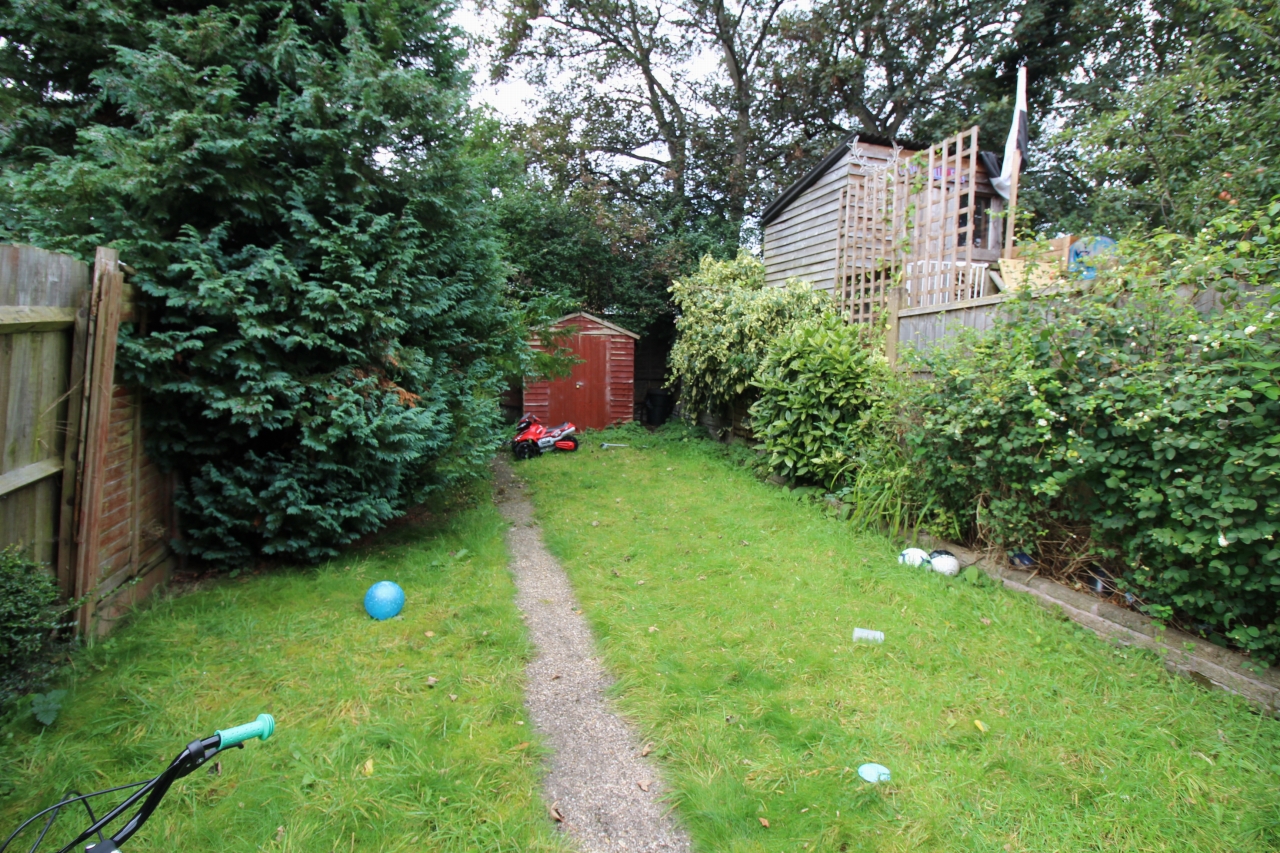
601	389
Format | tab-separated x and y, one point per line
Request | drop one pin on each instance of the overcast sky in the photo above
509	98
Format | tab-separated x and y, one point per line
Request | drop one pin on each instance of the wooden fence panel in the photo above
924	328
76	488
125	520
40	293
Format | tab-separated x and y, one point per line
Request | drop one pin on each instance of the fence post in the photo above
71	452
895	325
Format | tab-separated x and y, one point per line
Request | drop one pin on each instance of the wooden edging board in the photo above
1184	654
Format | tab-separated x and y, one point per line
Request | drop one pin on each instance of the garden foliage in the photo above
820	393
1123	412
29	612
1198	133
728	319
327	332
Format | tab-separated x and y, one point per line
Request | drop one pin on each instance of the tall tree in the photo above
287	176
1182	146
707	108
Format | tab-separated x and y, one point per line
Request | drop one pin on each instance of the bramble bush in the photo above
328	332
728	319
1122	411
820	388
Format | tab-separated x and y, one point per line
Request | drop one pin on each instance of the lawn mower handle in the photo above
259	728
196	754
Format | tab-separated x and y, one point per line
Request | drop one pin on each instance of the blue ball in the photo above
384	600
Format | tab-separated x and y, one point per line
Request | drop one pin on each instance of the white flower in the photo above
1271	315
1042	422
1031	389
1080	354
1177	470
1251	330
1217	344
1222	540
1193	338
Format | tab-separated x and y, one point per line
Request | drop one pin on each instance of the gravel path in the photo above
598	777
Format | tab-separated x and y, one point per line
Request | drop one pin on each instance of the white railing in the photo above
940	282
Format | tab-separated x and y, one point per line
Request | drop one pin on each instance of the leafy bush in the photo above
28	610
327	333
728	319
820	387
1122	413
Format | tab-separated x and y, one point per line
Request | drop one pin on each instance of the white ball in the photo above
914	557
945	564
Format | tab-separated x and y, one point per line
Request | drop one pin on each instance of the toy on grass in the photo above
944	562
384	600
914	557
874	773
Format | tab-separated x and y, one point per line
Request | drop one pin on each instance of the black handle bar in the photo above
196	753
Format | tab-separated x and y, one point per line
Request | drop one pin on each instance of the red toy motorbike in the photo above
532	437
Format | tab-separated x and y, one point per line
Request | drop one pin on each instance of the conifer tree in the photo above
326	325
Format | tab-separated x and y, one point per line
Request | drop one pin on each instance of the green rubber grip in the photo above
259	728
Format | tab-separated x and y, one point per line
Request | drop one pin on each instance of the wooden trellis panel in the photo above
939	268
868	250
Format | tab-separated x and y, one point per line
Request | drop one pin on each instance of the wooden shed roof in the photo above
783	201
593	318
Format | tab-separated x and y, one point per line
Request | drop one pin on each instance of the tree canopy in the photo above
1199	136
701	111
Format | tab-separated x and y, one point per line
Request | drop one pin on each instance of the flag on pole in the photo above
1017	141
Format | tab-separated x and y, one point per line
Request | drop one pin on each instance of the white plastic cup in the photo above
865	635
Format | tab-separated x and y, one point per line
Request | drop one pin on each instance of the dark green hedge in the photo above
327	329
28	612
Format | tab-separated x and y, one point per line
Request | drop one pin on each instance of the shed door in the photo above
584	397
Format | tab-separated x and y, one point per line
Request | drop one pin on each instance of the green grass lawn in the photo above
726	609
365	756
